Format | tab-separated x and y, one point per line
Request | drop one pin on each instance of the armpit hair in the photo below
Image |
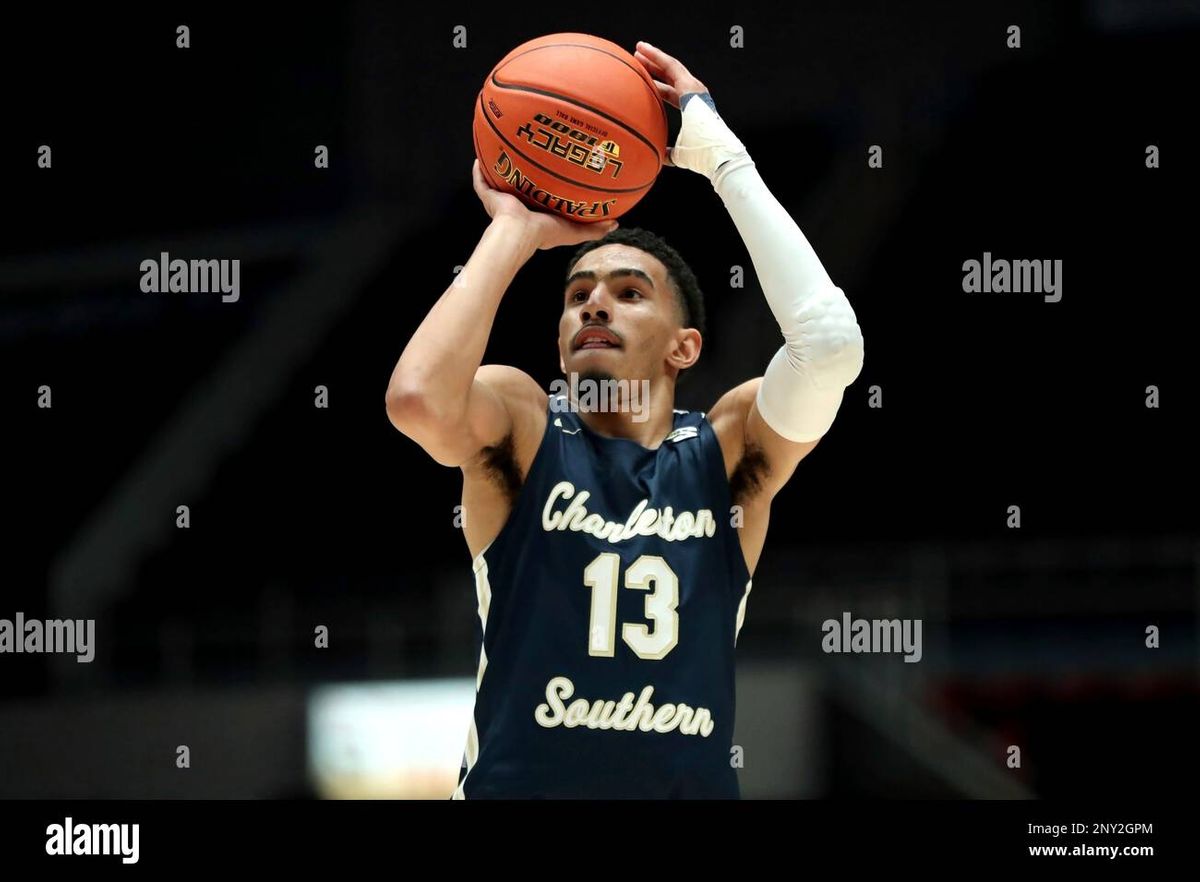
500	463
747	477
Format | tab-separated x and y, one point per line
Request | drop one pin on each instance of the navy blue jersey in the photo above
609	606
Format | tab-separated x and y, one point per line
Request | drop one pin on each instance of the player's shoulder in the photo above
524	399
731	409
509	381
526	403
728	420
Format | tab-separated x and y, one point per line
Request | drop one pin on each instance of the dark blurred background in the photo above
304	516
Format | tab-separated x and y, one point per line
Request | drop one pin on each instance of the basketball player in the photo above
611	568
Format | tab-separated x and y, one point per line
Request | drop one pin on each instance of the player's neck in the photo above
646	419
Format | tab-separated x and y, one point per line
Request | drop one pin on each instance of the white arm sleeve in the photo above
803	385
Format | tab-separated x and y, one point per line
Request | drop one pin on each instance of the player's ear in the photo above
685	349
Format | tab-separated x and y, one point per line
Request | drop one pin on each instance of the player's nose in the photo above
598	305
597	314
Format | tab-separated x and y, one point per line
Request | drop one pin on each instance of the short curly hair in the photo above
687	289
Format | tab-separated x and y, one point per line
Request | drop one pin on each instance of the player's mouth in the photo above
596	337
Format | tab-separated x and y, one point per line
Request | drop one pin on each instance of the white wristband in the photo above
704	142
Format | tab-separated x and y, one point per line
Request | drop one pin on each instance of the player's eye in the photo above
581	294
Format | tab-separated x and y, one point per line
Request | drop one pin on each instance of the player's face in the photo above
620	315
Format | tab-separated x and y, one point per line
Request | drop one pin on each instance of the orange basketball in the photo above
572	124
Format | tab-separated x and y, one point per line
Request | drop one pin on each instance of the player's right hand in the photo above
547	230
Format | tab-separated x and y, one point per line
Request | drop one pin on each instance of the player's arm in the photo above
781	415
778	418
439	395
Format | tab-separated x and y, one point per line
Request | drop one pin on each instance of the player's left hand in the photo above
672	79
704	142
670	76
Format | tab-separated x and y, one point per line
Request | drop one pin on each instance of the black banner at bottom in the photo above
310	836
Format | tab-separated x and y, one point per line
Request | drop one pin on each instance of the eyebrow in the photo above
615	274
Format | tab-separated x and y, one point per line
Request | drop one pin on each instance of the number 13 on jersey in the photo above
601	575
